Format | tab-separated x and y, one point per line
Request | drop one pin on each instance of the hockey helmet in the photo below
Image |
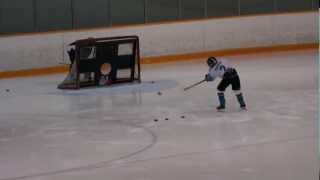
212	61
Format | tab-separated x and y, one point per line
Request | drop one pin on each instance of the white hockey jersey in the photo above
219	69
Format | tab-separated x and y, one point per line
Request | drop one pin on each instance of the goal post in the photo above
103	62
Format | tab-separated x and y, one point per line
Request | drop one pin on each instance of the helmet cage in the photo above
212	61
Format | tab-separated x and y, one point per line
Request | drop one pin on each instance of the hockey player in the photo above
221	68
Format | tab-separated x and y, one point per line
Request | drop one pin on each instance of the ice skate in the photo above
221	108
243	108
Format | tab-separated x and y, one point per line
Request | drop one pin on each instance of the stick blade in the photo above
187	88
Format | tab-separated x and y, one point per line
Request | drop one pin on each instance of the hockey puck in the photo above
152	82
167	119
183	117
155	120
159	93
7	90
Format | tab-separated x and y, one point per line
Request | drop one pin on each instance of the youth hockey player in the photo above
228	74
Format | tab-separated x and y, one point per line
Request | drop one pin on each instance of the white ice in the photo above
110	133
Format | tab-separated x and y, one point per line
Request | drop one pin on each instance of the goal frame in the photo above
130	62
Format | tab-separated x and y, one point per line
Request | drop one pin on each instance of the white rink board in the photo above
46	50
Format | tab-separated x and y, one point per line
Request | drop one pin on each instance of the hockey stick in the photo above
193	85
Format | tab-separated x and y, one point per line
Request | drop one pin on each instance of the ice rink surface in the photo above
110	133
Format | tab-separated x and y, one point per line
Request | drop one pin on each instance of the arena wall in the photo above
43	50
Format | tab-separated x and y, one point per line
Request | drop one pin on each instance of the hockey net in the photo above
103	62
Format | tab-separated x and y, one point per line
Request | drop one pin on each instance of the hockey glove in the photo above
208	77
